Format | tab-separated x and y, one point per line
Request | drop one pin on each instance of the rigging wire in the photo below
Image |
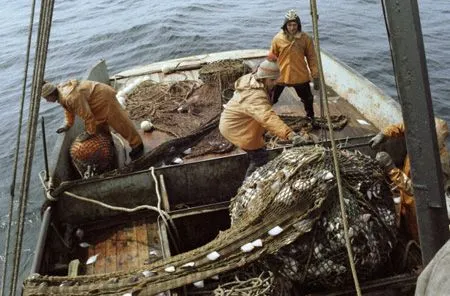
45	21
314	15
16	156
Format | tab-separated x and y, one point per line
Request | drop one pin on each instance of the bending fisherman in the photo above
96	104
249	113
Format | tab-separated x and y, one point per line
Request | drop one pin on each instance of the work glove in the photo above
83	137
377	140
316	82
62	129
385	161
298	140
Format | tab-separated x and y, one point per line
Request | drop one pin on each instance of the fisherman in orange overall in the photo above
402	178
296	57
96	104
249	113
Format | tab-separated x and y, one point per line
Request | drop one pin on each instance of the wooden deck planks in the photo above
124	247
111	253
142	242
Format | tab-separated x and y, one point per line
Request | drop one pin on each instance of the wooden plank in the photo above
122	250
142	242
132	256
90	268
111	253
100	249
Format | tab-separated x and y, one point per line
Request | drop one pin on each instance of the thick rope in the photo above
38	77
334	148
114	208
16	156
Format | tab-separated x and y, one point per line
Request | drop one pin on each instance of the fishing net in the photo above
284	216
303	126
93	156
223	72
177	108
319	259
182	107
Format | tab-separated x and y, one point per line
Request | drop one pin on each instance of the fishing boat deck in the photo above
123	245
289	104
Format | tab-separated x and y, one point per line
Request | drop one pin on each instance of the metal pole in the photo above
45	150
408	57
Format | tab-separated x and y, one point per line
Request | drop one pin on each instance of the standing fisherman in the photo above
290	47
249	114
96	104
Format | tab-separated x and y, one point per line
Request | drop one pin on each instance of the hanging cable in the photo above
16	156
333	147
322	94
45	21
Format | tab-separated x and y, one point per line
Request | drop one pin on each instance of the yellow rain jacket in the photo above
291	56
96	104
408	204
249	114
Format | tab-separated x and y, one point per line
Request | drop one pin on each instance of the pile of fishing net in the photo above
177	108
223	72
286	218
180	108
93	156
319	258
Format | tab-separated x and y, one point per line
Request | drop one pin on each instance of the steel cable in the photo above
314	15
46	14
16	156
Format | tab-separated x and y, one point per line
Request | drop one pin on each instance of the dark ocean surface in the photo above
130	33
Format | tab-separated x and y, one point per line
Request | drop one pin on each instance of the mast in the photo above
411	75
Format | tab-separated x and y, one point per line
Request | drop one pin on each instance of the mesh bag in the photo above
319	258
93	156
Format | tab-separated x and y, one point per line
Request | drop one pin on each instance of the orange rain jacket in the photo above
291	56
408	204
96	104
249	114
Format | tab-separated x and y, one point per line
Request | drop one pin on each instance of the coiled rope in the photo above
45	21
315	18
16	156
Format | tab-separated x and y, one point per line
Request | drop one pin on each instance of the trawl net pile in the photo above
319	258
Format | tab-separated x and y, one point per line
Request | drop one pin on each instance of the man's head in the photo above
49	92
292	23
268	72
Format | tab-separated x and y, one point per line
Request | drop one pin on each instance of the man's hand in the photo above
377	140
316	82
298	140
83	137
62	129
385	161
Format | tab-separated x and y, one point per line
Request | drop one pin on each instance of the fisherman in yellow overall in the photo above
249	114
96	104
294	52
402	178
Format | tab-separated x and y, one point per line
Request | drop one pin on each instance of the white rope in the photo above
115	208
164	215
